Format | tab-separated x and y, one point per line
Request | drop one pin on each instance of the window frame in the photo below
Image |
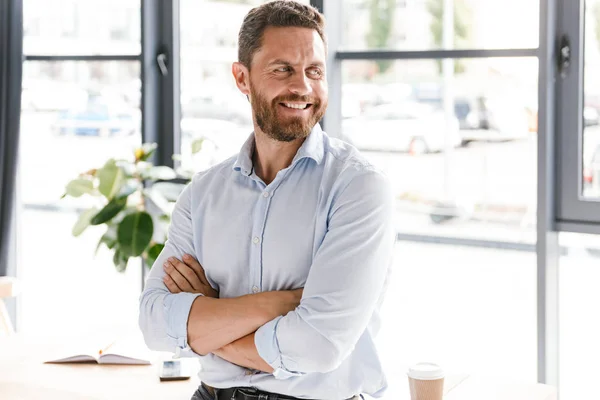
160	99
574	213
547	246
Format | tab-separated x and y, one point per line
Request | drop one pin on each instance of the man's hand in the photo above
187	276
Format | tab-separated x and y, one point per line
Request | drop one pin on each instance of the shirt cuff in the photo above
265	340
177	310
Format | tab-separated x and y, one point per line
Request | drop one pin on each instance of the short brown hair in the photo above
278	13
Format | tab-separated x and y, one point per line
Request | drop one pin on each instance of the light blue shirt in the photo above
325	224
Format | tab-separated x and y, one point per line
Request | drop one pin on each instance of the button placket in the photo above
262	208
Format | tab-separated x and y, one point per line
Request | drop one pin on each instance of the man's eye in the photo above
282	69
315	73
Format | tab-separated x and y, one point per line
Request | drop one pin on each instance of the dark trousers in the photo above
203	394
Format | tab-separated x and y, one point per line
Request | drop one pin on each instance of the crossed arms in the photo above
226	327
277	332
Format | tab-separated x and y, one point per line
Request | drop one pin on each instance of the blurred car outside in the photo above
99	115
405	127
491	120
481	117
359	97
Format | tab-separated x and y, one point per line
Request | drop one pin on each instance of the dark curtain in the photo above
11	63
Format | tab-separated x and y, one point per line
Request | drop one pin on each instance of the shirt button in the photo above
254	289
248	372
255	240
266	194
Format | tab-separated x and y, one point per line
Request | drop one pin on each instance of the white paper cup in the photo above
426	381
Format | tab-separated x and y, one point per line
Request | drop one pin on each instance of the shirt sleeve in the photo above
343	287
163	315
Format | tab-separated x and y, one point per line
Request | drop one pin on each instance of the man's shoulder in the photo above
216	172
346	158
352	177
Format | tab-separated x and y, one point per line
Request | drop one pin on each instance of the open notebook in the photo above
129	350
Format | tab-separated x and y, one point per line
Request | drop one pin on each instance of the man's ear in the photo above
241	75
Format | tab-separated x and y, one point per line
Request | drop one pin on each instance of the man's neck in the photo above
271	156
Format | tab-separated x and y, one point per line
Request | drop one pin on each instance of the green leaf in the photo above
120	260
197	145
153	254
79	187
109	211
84	221
161	173
109	239
135	232
111	179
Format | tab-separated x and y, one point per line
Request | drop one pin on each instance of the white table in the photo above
24	376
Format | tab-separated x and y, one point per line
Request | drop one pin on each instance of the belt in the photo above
248	393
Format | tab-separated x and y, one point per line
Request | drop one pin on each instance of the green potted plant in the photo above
134	201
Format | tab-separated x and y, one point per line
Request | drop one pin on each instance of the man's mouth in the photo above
297	106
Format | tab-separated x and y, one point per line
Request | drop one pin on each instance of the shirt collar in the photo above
244	159
311	148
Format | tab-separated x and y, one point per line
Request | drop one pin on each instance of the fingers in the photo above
188	272
195	265
171	285
177	276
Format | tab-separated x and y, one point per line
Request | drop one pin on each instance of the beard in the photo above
285	129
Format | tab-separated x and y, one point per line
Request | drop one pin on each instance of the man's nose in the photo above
300	85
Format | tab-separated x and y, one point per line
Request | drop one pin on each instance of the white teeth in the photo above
296	106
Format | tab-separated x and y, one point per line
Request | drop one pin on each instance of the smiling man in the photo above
277	258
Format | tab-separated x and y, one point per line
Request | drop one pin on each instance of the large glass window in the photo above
88	27
579	329
75	116
418	24
591	110
472	310
578	110
472	174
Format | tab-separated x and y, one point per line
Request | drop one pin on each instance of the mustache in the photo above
298	98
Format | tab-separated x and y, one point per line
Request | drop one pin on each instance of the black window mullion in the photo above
433	54
161	78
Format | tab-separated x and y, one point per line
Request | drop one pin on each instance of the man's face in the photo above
287	83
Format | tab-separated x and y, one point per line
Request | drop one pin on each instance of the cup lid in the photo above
426	371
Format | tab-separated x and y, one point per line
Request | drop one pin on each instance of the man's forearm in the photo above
243	352
214	323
